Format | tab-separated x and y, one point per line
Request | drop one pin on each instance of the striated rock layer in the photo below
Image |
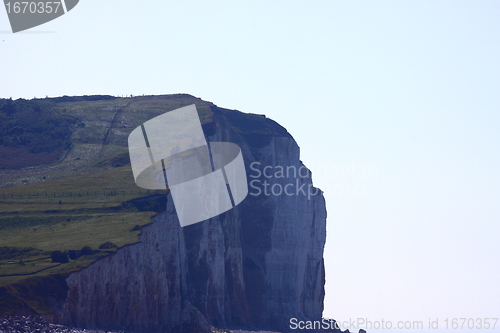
258	264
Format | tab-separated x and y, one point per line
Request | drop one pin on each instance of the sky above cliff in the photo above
395	106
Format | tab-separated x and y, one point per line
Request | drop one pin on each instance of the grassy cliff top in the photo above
66	183
66	180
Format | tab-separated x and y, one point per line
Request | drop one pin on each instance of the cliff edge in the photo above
256	265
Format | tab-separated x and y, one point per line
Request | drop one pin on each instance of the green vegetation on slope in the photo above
31	133
82	197
100	209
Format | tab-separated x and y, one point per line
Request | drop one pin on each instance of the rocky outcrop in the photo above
27	324
258	264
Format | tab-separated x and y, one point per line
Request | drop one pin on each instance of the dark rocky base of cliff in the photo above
26	324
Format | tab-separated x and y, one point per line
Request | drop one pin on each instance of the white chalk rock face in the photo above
258	264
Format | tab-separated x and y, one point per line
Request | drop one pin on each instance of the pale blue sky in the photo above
408	89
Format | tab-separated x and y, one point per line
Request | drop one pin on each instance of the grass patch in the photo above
101	205
12	253
35	294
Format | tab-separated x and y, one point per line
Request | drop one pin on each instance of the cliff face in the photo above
259	264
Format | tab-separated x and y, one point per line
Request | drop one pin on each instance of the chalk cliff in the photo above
258	264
